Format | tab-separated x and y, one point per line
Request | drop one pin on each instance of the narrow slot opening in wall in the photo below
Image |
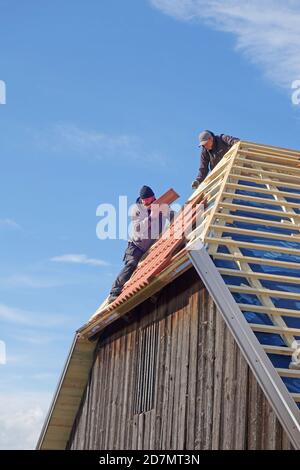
144	387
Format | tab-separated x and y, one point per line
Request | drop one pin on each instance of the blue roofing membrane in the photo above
293	384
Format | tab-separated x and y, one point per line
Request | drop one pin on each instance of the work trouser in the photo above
131	258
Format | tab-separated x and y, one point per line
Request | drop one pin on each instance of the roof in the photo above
250	230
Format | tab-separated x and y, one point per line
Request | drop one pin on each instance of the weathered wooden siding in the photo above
205	395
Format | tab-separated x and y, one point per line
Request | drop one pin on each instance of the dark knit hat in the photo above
146	192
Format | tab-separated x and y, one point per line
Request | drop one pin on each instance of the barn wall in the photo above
204	395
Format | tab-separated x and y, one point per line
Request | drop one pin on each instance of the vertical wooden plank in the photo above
159	379
200	409
229	392
149	376
121	391
148	359
83	419
92	422
161	441
107	367
156	353
209	372
130	443
242	370
140	433
109	397
286	443
177	381
105	353
138	371
152	436
99	396
135	427
192	378
183	392
146	430
254	415
124	402
172	375
218	382
92	428
145	362
269	427
88	413
279	433
153	364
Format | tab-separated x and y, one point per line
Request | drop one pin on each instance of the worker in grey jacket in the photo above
148	222
214	148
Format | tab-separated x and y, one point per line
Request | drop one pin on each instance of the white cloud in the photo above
21	418
9	223
267	31
25	317
79	259
87	143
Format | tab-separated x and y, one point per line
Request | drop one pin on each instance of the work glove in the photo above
195	184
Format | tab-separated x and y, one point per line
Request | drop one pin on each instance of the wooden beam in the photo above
216	174
259	210
266	163
286	312
264	181
268	149
281	176
289	373
261	200
255	233
274	329
224	241
280	350
253	220
271	293
253	189
259	275
287	160
254	260
218	199
296	396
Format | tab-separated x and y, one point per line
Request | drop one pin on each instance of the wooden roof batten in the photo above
274	173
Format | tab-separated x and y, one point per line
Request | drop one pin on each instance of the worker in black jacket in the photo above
214	148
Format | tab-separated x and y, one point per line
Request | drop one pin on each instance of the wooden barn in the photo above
200	351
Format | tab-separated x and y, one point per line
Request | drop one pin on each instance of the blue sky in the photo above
103	97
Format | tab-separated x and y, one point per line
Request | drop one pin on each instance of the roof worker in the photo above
148	221
214	148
